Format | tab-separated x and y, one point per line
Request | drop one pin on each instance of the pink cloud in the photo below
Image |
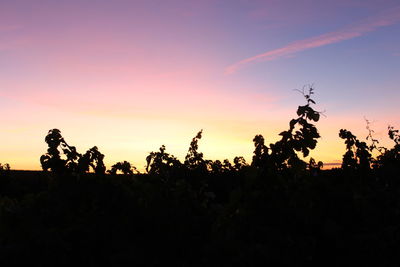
371	24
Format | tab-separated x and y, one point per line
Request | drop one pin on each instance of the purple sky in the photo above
129	76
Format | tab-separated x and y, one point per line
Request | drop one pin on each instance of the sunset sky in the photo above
130	76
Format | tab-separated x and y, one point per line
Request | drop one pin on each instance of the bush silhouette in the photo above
125	167
277	210
301	136
74	161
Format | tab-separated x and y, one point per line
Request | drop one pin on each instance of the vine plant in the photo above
74	161
301	137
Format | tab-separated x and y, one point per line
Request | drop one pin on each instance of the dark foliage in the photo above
125	167
74	162
276	211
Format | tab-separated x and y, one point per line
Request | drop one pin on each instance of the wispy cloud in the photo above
386	18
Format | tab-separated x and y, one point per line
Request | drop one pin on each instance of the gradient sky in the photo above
129	76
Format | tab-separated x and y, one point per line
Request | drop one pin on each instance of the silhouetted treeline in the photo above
277	210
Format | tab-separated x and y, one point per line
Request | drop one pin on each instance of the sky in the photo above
130	76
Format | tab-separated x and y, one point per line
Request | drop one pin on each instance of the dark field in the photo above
242	217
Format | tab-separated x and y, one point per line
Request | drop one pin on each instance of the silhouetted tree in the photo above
357	155
194	159
74	162
390	158
52	159
125	167
220	167
239	163
161	162
260	157
301	136
92	158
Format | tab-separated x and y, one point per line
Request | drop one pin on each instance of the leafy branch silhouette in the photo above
74	161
